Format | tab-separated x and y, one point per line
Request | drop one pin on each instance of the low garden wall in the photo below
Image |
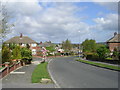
7	69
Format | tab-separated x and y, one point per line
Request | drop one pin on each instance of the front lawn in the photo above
1	68
100	64
40	72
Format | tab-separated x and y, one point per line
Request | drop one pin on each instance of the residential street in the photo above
21	78
69	73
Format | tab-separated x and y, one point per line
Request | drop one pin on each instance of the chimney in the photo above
21	35
115	33
41	42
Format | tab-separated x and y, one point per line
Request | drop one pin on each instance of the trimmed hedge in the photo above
95	57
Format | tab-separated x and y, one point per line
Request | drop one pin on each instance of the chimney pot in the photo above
115	33
21	35
41	42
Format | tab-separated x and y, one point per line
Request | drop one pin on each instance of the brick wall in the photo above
113	45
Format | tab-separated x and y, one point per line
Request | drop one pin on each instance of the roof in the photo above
46	44
17	40
116	38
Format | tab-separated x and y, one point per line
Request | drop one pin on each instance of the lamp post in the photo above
79	45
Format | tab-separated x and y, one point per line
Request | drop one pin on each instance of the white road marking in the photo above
56	84
17	73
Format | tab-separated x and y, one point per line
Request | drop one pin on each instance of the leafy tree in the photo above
102	52
51	48
28	46
6	54
12	46
16	53
89	45
66	45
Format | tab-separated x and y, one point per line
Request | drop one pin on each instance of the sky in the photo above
58	21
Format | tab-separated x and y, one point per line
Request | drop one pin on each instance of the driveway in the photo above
69	73
21	78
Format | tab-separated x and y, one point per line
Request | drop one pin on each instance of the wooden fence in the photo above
6	70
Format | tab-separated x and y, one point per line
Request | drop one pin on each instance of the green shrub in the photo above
26	55
16	53
92	56
116	54
102	52
6	54
57	54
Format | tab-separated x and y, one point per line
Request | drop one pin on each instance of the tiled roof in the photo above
116	38
17	40
46	44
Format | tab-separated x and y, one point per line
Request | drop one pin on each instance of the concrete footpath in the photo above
21	78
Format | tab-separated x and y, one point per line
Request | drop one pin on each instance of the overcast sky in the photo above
57	21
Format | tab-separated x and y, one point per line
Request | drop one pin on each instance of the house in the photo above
23	41
45	44
114	42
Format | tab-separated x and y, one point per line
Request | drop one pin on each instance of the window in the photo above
34	45
23	45
33	51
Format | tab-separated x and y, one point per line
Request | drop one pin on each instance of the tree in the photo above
5	26
51	48
89	45
12	46
28	46
102	52
16	53
66	45
6	54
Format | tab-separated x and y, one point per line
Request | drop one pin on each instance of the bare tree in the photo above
5	26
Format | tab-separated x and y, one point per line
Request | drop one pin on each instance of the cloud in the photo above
42	23
109	22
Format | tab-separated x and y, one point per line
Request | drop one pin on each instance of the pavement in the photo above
21	78
68	73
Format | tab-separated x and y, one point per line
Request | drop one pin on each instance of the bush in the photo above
102	52
57	54
116	54
16	53
6	54
26	55
92	56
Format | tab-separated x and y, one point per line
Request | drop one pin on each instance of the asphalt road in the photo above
69	73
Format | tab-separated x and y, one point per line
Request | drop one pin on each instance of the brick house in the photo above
114	42
23	41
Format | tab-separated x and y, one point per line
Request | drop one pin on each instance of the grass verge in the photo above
101	65
40	72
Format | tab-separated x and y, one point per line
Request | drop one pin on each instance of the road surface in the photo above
69	73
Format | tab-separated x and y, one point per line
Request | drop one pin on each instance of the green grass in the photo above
100	64
1	68
109	58
40	72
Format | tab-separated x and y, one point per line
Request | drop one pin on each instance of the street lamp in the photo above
79	46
